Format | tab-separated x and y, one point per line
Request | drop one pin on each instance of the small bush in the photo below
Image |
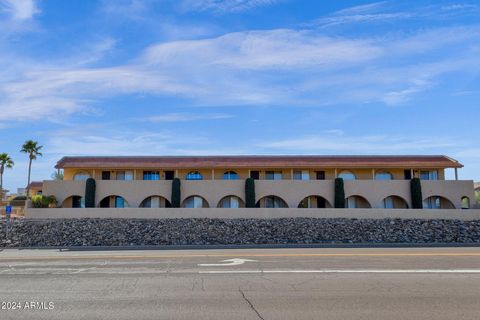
40	201
176	193
339	193
250	193
416	192
90	189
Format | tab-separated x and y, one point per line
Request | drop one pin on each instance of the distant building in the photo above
280	181
35	188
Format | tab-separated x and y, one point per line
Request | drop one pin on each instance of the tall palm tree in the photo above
33	149
5	162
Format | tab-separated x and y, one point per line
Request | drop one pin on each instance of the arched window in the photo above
384	175
465	203
231	202
194	175
394	202
437	202
357	202
155	202
230	175
271	202
81	176
347	175
195	202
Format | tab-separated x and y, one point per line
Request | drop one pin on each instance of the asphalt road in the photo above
382	283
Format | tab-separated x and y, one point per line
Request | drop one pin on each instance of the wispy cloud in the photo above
185	117
224	6
19	9
363	144
278	67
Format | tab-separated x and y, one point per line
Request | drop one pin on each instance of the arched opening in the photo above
383	175
357	202
314	202
231	202
194	175
74	202
437	202
155	202
195	202
465	203
394	202
230	175
113	201
271	202
347	175
81	176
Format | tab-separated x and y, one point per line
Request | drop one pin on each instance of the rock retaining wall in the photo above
202	231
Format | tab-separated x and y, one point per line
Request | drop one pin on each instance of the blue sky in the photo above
238	77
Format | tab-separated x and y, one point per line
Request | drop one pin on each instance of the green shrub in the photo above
416	193
339	193
17	203
40	201
250	193
90	189
176	193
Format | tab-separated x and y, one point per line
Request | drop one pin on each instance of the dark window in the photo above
407	174
151	175
76	202
105	203
321	202
320	175
255	175
105	175
169	175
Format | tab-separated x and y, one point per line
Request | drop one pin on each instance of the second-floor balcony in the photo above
276	193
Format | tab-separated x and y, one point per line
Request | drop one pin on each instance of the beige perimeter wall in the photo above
168	213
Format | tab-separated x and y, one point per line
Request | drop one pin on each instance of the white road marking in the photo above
229	262
348	271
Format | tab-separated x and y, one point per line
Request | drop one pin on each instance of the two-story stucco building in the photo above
280	181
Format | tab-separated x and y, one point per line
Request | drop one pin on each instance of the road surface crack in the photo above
250	304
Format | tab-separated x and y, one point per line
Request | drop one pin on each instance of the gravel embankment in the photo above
125	232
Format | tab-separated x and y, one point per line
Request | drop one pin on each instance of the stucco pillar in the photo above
373	174
213	174
336	175
176	173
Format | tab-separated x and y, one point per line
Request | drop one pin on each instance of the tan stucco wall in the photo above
291	191
169	213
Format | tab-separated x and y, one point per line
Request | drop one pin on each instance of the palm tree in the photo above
33	149
5	162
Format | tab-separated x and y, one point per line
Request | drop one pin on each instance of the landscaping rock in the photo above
202	231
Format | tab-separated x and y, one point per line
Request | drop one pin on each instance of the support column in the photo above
291	174
336	175
373	174
213	174
176	173
456	173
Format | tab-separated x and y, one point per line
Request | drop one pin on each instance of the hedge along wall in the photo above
339	193
176	193
416	192
90	188
250	193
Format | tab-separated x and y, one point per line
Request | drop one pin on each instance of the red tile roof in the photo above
290	161
35	184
